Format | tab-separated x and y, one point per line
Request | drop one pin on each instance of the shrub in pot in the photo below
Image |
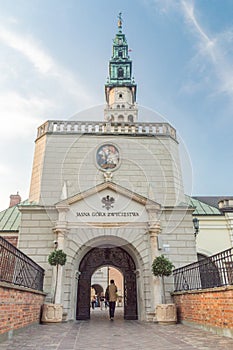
53	312
162	267
56	258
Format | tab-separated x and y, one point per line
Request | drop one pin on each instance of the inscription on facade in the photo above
100	213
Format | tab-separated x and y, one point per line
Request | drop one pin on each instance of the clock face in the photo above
107	157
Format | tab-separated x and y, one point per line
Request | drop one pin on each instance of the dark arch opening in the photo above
98	257
120	72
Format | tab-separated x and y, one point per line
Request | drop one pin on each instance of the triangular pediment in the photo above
112	187
108	202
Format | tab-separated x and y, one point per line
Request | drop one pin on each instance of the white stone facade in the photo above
147	215
121	106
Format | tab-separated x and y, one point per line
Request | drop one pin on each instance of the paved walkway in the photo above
100	333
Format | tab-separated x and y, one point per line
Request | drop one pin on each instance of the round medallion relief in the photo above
107	157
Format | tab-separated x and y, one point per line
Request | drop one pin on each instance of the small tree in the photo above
56	258
161	267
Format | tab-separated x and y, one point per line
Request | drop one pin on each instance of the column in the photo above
60	231
154	229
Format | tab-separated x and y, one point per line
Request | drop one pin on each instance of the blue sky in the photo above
54	63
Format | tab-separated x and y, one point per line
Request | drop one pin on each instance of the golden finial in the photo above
120	20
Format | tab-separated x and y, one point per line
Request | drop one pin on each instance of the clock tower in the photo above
120	89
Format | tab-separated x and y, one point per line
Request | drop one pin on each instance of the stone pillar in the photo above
157	293
60	231
154	229
60	234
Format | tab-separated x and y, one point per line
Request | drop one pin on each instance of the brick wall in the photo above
13	239
19	307
210	308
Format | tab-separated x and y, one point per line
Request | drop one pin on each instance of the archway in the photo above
95	258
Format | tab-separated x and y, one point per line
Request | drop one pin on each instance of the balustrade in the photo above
92	127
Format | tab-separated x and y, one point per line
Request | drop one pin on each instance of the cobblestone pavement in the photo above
101	333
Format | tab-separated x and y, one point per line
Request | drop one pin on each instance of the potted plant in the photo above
53	312
162	267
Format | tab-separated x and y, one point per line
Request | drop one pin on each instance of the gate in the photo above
95	258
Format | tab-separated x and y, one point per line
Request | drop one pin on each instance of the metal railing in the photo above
18	268
209	272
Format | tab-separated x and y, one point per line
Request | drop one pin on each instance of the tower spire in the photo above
120	89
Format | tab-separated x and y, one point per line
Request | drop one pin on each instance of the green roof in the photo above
202	208
10	219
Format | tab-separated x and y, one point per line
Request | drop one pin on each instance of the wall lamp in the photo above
196	226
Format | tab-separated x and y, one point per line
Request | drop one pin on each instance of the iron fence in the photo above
18	268
209	272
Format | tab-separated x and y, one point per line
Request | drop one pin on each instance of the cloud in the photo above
212	59
207	46
44	65
34	87
21	115
188	7
28	48
212	48
4	170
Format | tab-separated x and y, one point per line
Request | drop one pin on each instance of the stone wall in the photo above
65	164
210	309
19	308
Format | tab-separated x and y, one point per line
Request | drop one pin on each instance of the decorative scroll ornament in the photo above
107	176
108	202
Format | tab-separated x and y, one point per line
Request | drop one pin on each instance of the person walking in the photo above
101	300
93	298
111	296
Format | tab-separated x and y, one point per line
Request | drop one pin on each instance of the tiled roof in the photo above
203	208
212	200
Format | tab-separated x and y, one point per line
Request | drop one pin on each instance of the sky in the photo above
54	58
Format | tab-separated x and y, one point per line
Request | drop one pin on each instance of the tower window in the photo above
120	54
118	106
130	118
120	72
122	106
120	96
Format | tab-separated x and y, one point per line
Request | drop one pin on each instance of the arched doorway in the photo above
95	258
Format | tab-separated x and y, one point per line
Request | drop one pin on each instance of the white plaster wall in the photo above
116	92
214	234
149	166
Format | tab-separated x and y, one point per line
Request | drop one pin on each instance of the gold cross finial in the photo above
120	20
